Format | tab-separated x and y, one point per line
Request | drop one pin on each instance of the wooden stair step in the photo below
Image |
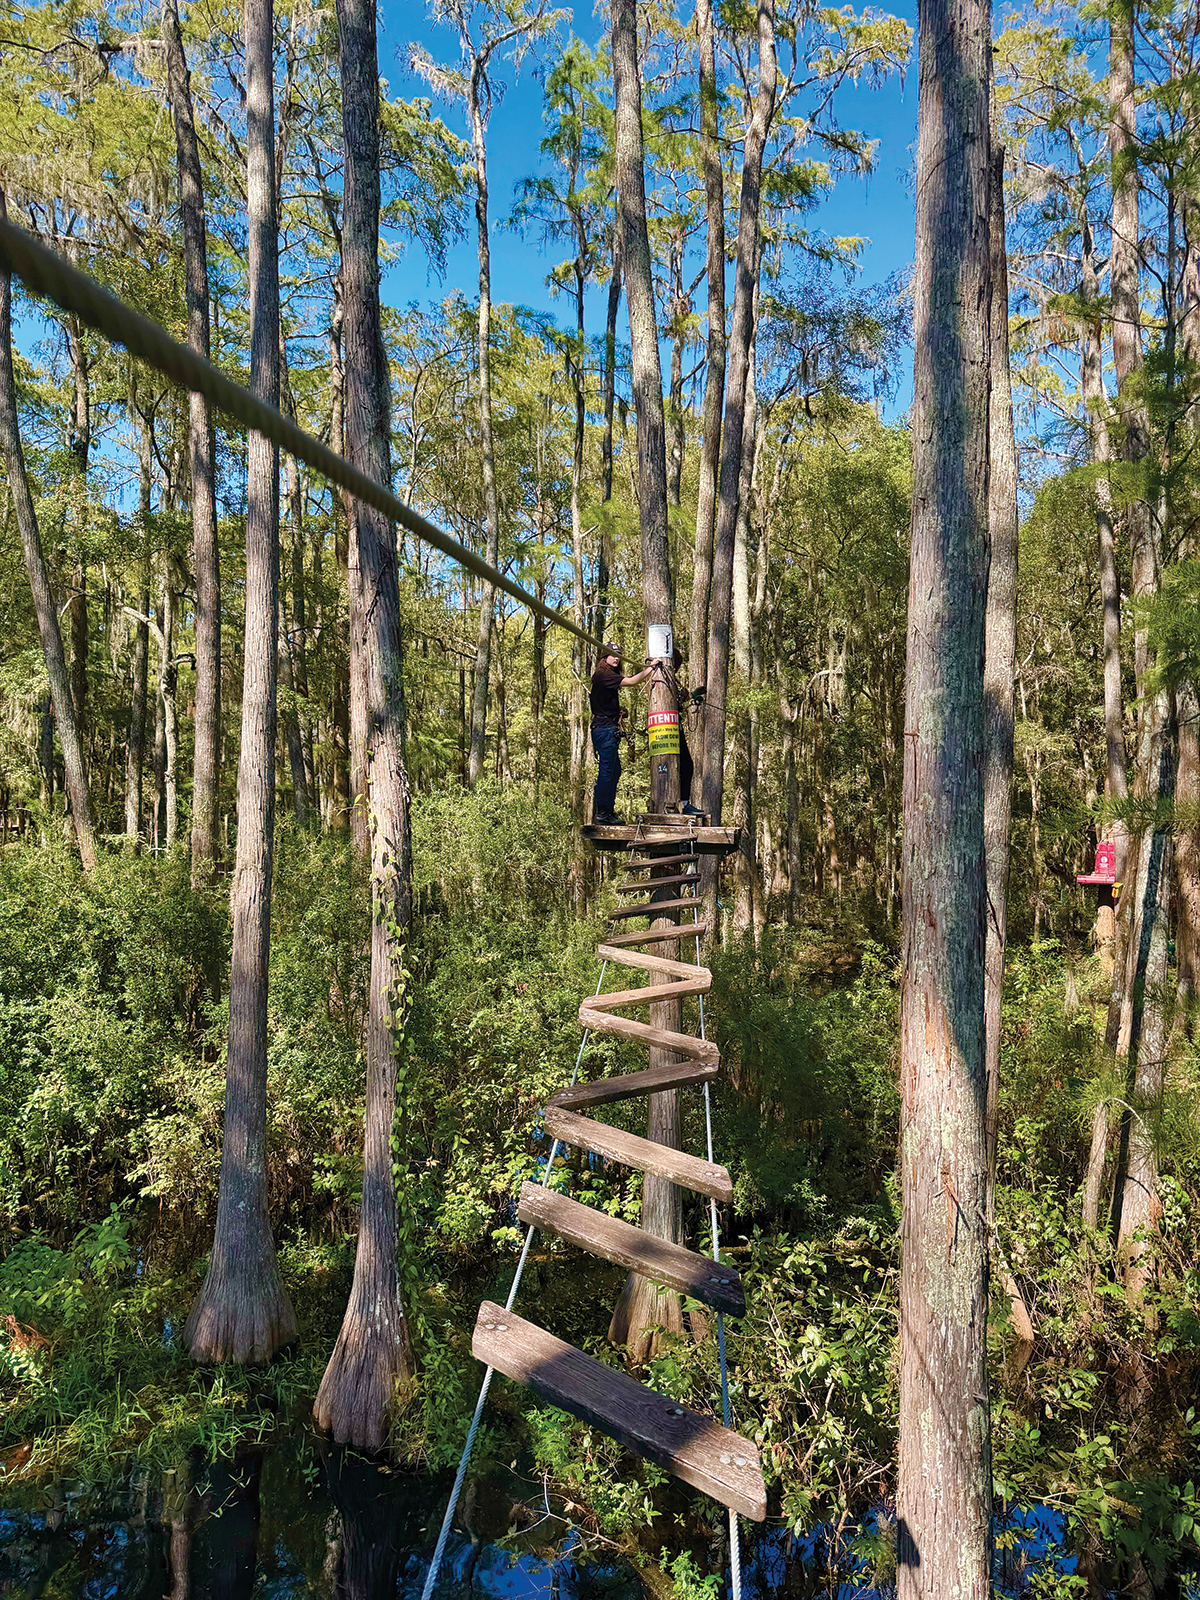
629	1085
613	1240
620	835
697	982
656	883
684	930
644	963
702	1177
669	860
687	1044
655	908
685	1444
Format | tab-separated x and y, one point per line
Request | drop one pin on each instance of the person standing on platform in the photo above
607	682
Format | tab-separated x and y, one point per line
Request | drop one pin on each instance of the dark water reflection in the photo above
272	1524
327	1524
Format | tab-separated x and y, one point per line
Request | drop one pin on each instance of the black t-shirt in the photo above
605	700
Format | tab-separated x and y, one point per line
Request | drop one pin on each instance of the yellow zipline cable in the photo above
48	273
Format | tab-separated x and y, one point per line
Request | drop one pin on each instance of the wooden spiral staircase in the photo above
685	1443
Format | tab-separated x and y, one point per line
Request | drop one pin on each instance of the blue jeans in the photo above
606	742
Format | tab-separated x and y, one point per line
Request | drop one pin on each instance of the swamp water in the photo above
295	1520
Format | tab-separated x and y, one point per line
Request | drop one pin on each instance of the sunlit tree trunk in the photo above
943	1500
1124	266
80	451
491	504
733	427
999	661
340	720
243	1313
373	1354
1140	973
714	373
1000	650
205	553
39	583
135	747
168	677
641	1307
604	563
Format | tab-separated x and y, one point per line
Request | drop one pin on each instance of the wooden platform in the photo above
691	1447
619	836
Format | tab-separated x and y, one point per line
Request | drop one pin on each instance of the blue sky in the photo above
880	208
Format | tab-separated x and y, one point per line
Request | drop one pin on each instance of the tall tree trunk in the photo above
740	594
679	311
1000	652
360	825
243	1312
943	1499
299	648
205	553
1116	783
340	720
1127	361
39	583
714	374
1141	942
288	626
733	429
604	563
999	663
491	505
80	449
1092	383
641	1306
167	679
135	749
581	854
1187	851
1142	1041
657	591
1187	789
373	1354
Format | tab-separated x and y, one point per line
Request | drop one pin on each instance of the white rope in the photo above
464	1462
735	1547
452	1505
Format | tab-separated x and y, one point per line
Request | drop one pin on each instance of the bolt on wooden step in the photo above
613	1240
689	1172
693	1448
630	1085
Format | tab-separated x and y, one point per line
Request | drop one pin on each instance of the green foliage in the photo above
594	1472
814	1118
684	1573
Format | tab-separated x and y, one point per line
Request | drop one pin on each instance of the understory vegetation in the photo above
112	1025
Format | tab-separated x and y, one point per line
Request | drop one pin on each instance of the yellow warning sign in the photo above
664	733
